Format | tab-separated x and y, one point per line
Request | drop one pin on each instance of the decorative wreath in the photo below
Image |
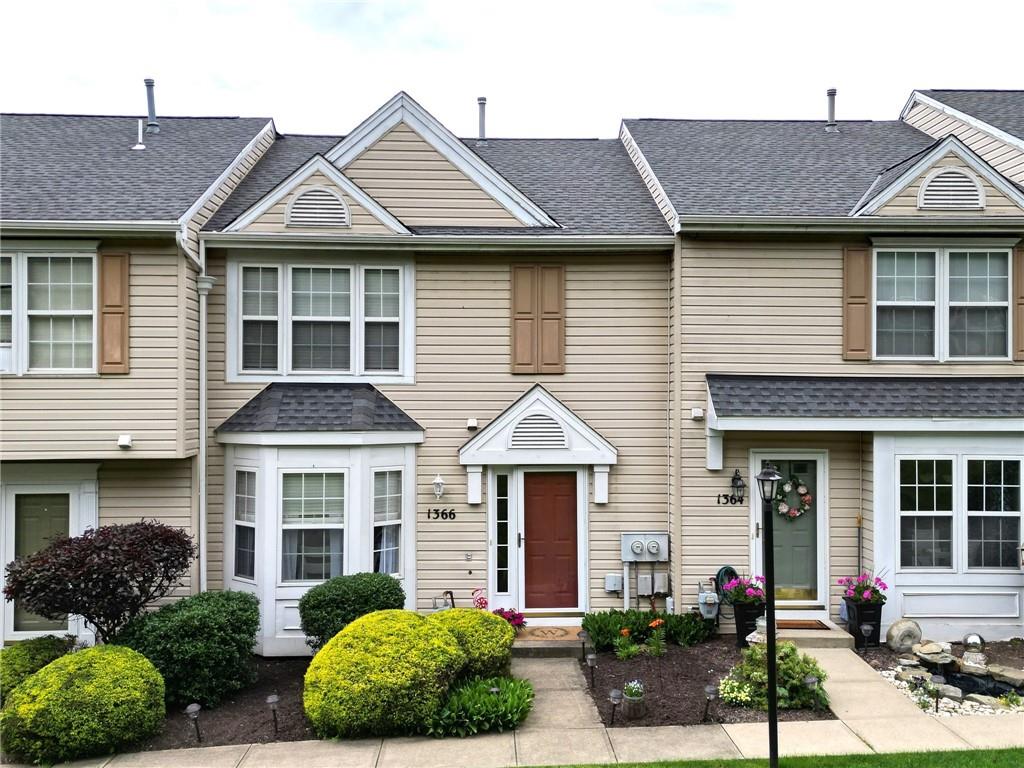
781	503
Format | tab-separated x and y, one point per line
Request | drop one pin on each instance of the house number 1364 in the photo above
437	513
729	498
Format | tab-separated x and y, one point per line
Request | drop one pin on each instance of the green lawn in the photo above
984	758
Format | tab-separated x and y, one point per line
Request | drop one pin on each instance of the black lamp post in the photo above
767	482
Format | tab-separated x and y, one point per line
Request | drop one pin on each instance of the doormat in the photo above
801	624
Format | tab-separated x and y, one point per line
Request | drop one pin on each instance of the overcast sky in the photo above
555	68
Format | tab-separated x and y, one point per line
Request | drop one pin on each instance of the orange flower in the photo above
624	631
656	623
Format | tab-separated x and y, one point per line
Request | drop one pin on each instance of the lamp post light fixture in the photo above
272	700
192	710
584	638
615	697
936	681
739	488
710	694
767	483
438	484
865	633
811	682
592	663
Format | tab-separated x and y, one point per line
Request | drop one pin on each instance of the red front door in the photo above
550	540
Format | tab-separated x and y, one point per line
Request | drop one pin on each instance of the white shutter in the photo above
952	189
318	208
538	430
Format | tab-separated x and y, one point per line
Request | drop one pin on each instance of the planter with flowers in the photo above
746	595
864	597
634	706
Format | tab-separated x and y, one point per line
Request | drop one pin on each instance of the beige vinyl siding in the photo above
419	186
905	203
762	309
867	498
163	490
1006	159
661	198
239	172
616	379
188	392
45	416
362	221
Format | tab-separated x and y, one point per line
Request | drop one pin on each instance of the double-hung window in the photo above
245	524
387	521
6	312
926	513
312	525
320	319
993	513
942	304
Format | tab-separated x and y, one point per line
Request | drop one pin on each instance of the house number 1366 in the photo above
437	513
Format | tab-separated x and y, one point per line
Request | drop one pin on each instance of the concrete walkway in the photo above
565	728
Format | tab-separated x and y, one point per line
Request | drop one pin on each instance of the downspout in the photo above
205	284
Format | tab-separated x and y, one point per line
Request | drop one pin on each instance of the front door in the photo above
800	526
550	549
38	518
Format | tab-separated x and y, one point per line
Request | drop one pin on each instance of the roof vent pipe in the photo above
139	144
152	126
831	126
482	103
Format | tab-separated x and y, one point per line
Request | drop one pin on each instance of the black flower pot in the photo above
747	615
863	613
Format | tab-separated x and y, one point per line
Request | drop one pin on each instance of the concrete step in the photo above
545	649
833	637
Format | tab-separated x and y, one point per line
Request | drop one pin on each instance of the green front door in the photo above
796	538
38	517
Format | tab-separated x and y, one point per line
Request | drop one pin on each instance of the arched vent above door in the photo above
538	430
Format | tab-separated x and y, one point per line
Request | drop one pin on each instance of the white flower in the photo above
783	508
801	489
787	487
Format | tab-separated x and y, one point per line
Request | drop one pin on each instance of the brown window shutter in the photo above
524	319
857	323
113	314
1017	327
551	342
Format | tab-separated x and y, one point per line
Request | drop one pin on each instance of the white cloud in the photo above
553	68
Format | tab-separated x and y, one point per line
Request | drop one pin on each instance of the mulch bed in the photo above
245	717
674	685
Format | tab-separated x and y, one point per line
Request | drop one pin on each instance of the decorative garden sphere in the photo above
974	642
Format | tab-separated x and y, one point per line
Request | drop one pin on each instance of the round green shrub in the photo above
386	673
746	685
92	702
201	644
328	608
28	657
486	639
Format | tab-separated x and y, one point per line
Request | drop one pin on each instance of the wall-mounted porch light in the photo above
739	488
438	486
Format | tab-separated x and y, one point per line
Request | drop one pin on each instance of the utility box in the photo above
645	547
643	585
661	583
613	582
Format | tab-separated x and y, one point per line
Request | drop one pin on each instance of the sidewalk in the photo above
564	728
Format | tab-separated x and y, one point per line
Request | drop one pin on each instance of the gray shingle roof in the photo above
867	396
771	168
1000	109
82	167
589	186
287	407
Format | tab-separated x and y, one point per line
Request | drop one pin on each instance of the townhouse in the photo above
498	364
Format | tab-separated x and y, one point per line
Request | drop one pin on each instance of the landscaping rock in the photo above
950	692
903	635
909	675
988	701
937	659
928	647
908	661
973	663
1009	675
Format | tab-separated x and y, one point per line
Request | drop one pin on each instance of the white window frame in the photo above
941	305
7	347
344	526
967	514
236	522
357	373
285	324
899	514
18	358
400	522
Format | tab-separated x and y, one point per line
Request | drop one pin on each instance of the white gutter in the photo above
50	225
205	284
437	242
842	224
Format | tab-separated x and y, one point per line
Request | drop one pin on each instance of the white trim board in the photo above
973	122
320	438
811	424
949	145
402	108
317	163
651	180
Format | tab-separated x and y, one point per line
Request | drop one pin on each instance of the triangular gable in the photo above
895	190
366	215
402	108
537	429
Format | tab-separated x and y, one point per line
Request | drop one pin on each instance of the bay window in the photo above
942	304
387	521
245	524
312	525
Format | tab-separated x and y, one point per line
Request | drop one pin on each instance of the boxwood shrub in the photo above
386	673
680	629
481	705
746	685
201	644
486	639
92	702
28	657
328	608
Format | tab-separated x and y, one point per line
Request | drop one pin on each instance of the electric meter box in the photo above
645	547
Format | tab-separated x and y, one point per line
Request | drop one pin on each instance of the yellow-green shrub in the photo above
386	673
486	639
28	657
92	702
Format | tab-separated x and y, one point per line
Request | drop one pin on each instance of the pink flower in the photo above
783	508
792	513
867	594
751	592
850	592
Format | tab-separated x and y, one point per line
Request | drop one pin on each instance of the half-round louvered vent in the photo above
318	208
952	189
538	430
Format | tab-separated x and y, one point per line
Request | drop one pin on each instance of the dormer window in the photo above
951	189
318	207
